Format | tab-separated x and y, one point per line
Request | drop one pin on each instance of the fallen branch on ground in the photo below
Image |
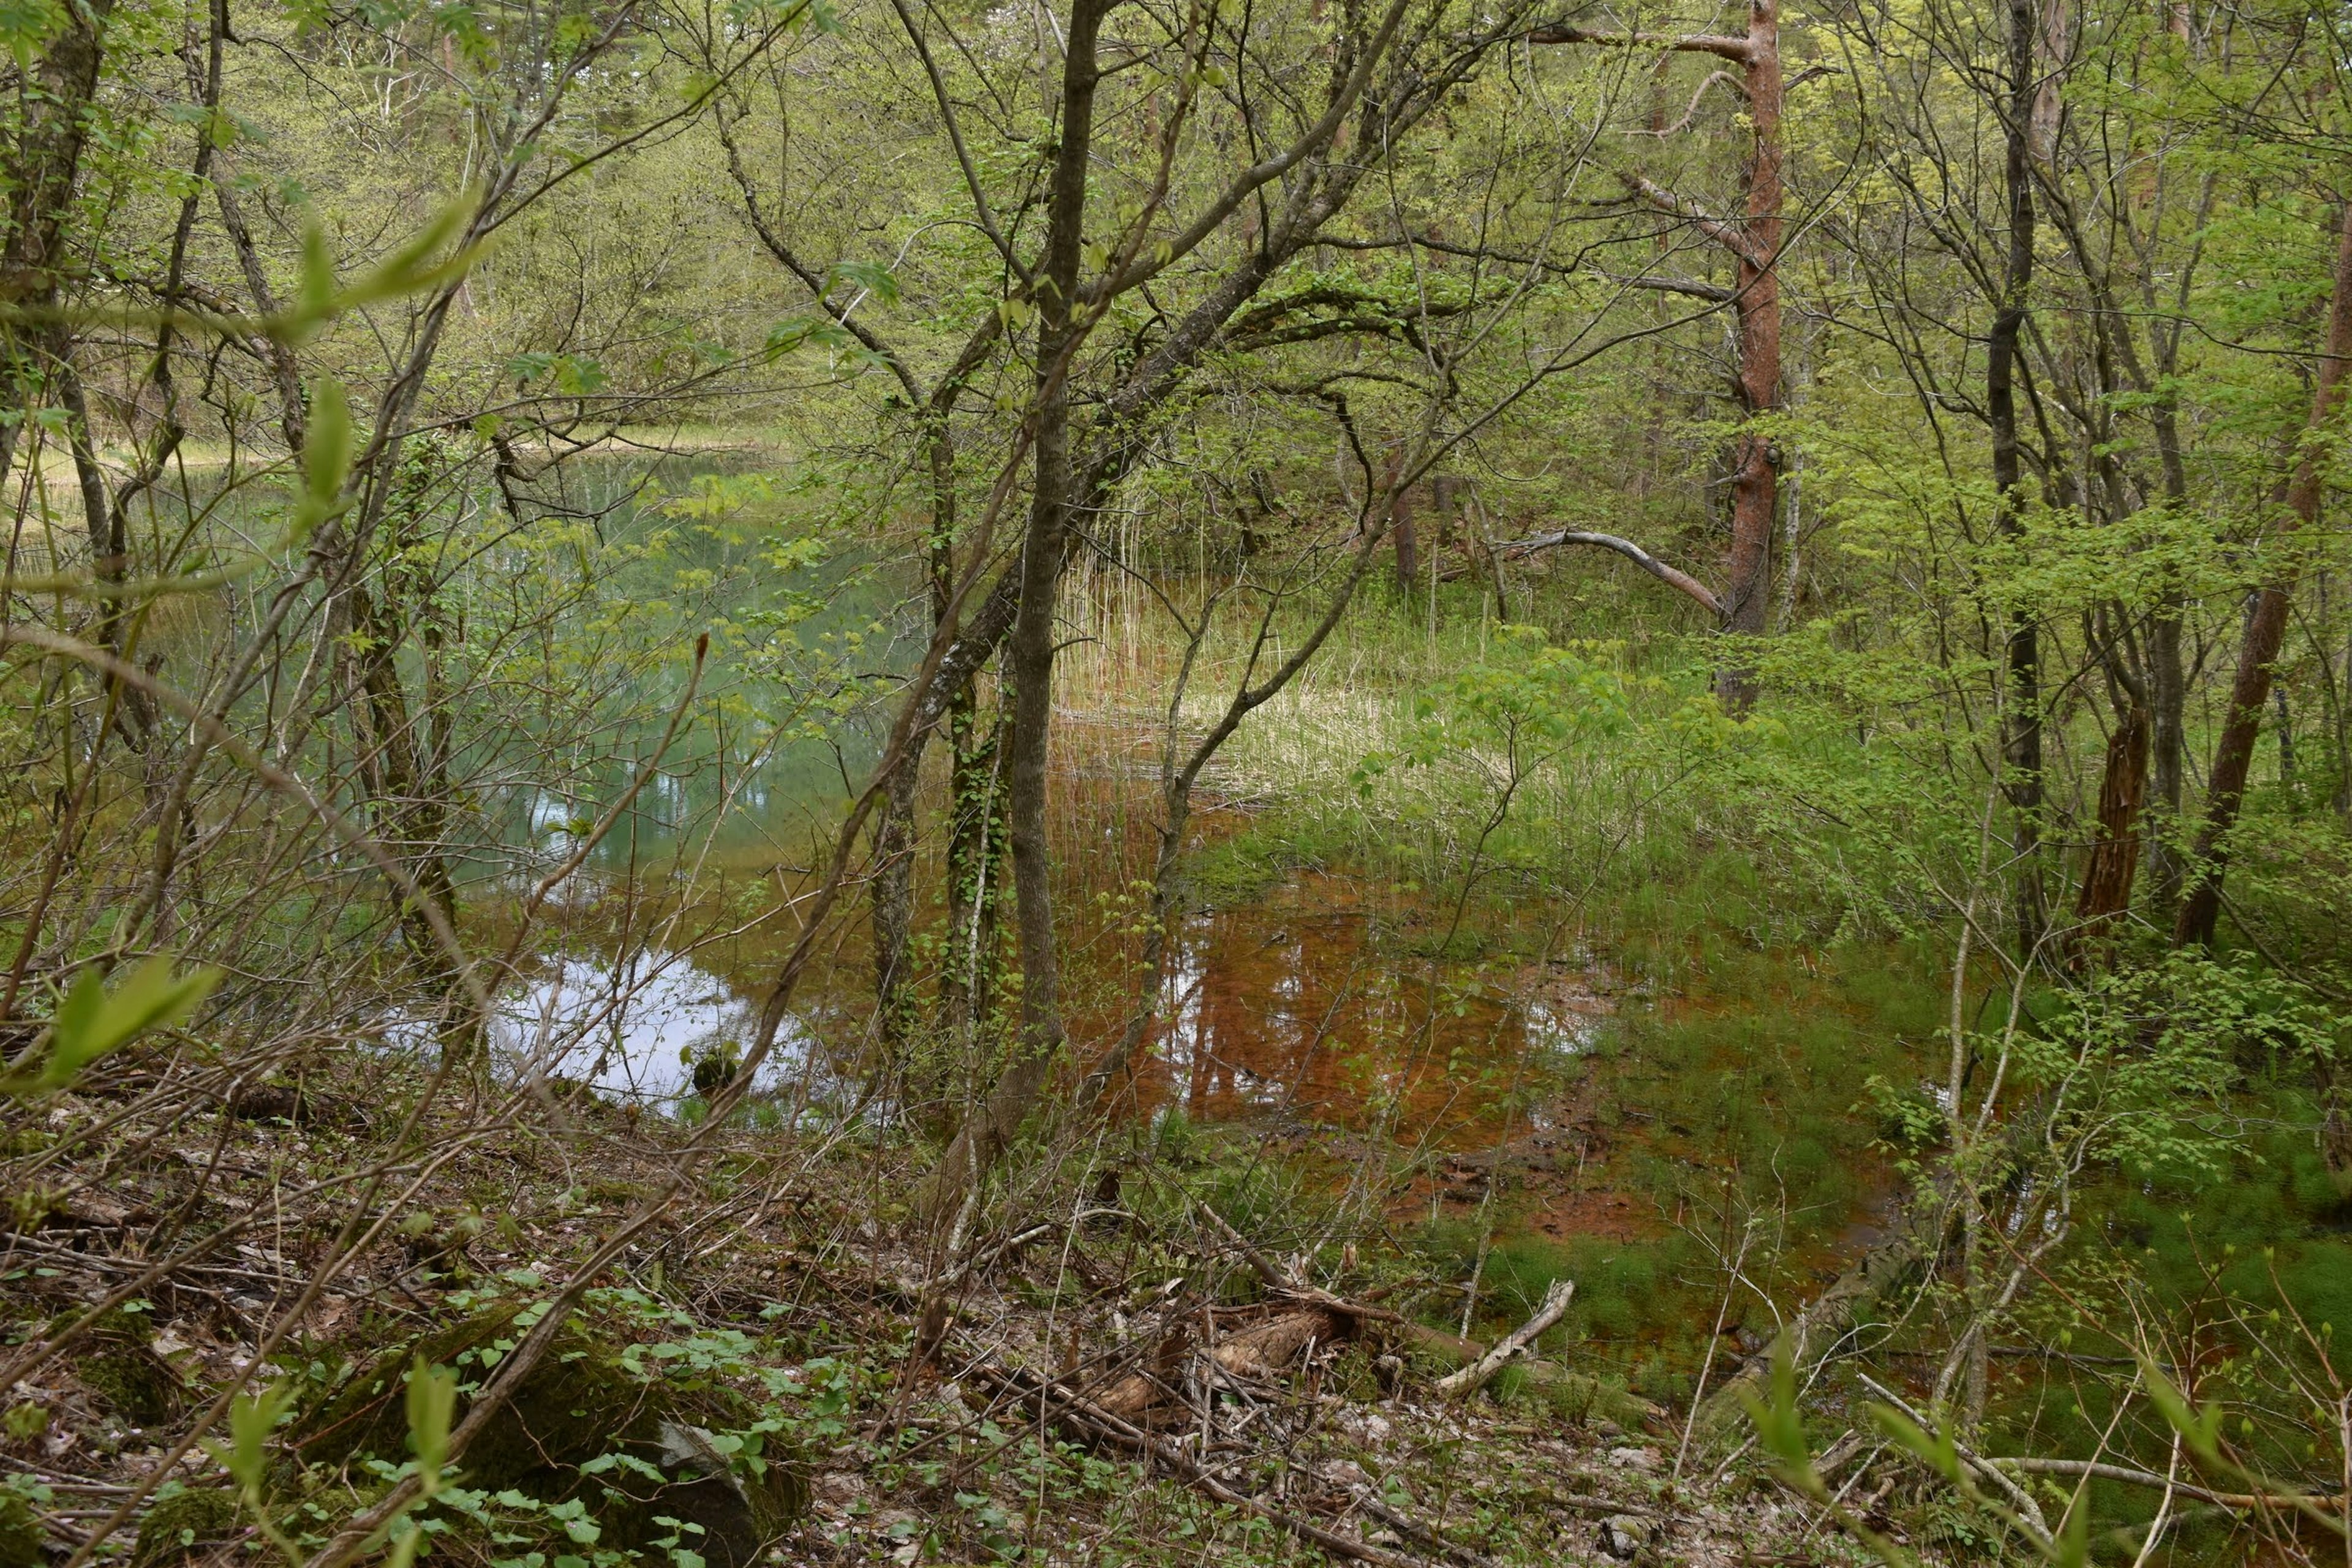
2125	1473
1514	1345
1089	1419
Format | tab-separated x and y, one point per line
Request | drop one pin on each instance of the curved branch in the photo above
1672	577
1719	44
1683	124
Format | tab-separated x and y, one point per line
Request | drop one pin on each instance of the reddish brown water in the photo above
1307	1005
1313	1002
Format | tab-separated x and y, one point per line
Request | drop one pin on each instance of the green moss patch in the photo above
645	1455
183	1526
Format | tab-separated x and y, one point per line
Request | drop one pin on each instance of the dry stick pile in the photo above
219	1203
1189	1392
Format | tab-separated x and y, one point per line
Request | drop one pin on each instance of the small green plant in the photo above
92	1020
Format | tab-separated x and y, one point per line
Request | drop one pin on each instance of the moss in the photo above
578	1404
134	1382
568	1409
128	1376
1244	869
20	1532
1572	1396
183	1526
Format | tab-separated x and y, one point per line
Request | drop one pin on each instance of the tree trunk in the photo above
1408	550
991	1128
2021	713
2265	633
2115	858
975	862
2329	1077
892	897
40	172
1754	487
110	544
409	819
405	762
891	905
1446	499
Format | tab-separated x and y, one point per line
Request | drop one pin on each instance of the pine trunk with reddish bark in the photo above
2115	858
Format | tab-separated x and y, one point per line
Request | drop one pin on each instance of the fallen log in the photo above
1514	1345
1822	1329
1573	1390
1268	1348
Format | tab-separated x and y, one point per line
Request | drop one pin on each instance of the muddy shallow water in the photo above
1288	1007
1291	1005
1312	1000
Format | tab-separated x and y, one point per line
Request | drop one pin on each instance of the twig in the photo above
2125	1473
1092	1417
1514	1345
2029	1511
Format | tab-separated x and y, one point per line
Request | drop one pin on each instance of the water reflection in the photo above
1309	1004
653	1029
635	1029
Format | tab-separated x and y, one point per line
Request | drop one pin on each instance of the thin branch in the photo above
1671	576
1728	48
980	209
1726	78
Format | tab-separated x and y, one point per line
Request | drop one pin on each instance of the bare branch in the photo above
1726	78
1672	577
1728	48
1715	228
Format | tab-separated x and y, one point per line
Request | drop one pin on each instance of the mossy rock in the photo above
575	1402
20	1532
128	1376
580	1404
184	1526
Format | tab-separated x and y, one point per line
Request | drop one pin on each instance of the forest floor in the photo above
1113	1374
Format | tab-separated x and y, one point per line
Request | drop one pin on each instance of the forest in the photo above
1132	782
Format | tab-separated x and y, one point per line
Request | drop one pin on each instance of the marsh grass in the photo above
1776	946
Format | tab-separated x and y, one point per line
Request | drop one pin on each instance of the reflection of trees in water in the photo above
1292	1004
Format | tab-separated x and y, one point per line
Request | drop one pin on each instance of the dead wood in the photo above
1081	1419
1517	1343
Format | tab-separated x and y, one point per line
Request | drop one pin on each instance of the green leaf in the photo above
316	296
2073	1544
1780	1430
327	444
92	1020
26	24
2201	1429
251	1420
1936	1450
871	276
432	1396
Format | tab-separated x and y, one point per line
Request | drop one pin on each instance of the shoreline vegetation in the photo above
1453	786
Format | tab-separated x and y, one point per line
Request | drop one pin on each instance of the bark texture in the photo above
2021	712
1756	473
2114	858
1029	654
2265	634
